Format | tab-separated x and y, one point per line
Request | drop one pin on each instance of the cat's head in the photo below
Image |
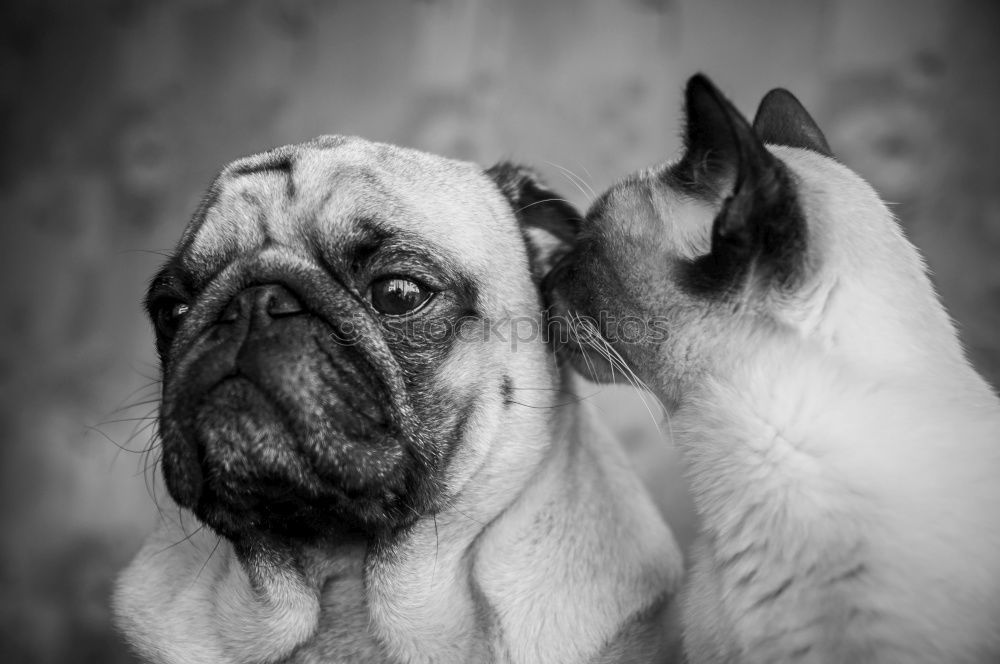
755	233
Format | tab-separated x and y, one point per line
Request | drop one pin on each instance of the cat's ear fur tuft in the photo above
760	229
548	222
782	120
714	137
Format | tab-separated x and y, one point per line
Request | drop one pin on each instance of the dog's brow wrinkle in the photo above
281	163
369	238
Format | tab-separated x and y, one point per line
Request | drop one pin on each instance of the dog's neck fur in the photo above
460	605
466	602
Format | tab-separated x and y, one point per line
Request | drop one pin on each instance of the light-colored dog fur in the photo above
546	547
844	457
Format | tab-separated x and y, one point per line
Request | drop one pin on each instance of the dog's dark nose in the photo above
262	304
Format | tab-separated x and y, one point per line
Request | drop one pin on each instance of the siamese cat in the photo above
844	457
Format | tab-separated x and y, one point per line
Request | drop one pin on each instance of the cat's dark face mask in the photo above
684	244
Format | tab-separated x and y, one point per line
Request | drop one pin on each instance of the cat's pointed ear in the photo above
760	229
549	223
719	144
782	120
715	135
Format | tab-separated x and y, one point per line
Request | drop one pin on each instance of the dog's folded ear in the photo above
549	223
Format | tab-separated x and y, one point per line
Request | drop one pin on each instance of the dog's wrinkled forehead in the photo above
334	189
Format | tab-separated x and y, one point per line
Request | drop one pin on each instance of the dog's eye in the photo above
168	317
396	296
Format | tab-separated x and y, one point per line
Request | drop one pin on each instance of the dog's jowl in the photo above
384	469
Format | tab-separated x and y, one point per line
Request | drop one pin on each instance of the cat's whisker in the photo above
644	389
576	181
593	339
586	360
587	327
544	200
593	194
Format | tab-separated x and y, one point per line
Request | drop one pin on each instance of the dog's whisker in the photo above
125	403
156	252
141	427
474	520
137	404
121	448
549	407
121	420
142	424
570	394
215	548
149	477
142	430
182	540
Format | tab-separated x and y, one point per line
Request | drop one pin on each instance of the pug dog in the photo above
362	415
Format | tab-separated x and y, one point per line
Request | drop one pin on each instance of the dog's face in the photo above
322	328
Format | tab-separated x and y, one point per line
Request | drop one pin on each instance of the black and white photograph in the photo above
500	332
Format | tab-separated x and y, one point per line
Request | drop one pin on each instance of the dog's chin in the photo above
289	441
262	473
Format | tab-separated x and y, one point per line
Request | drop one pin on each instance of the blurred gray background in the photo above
114	115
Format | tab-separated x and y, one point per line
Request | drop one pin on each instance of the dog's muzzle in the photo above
271	423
